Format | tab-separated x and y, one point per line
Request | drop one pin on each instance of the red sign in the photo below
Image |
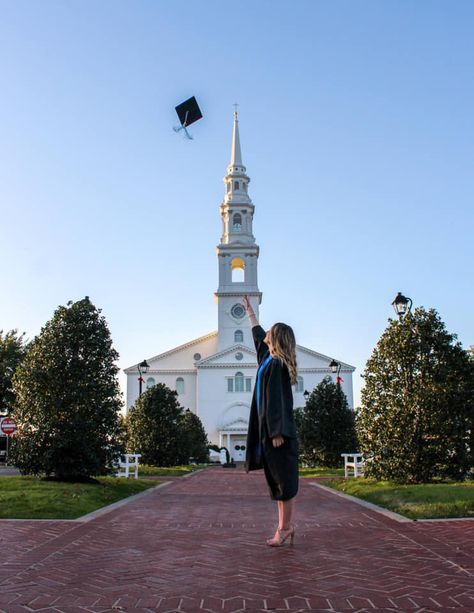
8	425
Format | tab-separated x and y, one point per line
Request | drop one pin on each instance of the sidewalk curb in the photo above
194	472
428	520
119	503
368	505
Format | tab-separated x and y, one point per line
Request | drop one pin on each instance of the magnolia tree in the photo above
67	397
160	429
416	420
12	352
325	426
194	437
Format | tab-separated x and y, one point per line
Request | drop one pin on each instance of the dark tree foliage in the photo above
12	352
325	426
122	434
154	428
416	421
68	397
194	437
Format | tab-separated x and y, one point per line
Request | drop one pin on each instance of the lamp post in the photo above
336	368
306	395
401	305
142	370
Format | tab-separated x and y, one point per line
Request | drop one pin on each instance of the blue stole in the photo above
260	372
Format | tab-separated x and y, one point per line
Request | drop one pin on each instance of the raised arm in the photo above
250	312
258	332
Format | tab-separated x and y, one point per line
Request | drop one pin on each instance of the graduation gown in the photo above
274	418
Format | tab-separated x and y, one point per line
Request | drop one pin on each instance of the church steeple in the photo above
236	154
237	252
235	227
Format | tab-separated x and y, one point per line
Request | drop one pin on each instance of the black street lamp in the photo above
336	368
402	305
306	395
142	370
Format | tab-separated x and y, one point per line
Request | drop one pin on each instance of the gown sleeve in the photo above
262	348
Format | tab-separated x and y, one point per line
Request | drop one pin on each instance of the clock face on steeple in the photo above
237	311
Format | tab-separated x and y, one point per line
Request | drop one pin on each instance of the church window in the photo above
239	382
237	311
299	386
238	275
238	336
238	271
239	356
236	185
150	382
237	222
197	357
180	385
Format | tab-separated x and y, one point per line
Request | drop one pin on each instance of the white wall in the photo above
214	401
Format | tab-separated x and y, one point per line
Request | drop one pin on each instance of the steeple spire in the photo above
236	179
237	252
237	208
236	154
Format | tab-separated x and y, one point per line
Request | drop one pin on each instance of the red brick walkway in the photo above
198	545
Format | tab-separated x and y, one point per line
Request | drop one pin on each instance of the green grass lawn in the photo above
321	472
34	498
425	501
146	470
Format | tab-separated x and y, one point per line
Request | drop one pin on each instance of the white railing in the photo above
129	463
353	462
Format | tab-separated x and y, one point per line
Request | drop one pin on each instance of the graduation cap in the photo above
188	112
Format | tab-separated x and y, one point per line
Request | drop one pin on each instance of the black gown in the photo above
274	418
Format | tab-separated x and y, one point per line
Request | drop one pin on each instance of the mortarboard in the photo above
188	112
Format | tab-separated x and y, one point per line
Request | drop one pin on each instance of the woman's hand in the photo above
250	312
278	441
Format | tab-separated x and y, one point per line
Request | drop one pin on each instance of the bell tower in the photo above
237	253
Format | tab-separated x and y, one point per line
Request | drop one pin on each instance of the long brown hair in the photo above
284	347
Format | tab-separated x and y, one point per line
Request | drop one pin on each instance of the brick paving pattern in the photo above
198	544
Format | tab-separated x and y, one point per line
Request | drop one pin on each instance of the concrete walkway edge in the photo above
366	504
120	503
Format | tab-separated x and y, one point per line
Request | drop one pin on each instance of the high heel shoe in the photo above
279	539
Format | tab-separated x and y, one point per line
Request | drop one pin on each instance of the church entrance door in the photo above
237	450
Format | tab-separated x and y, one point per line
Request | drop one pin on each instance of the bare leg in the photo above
285	527
287	513
280	514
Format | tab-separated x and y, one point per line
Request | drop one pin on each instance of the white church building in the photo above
214	375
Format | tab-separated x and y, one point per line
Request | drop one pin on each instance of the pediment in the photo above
235	417
235	424
228	357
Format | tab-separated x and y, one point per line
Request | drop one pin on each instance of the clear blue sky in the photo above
356	124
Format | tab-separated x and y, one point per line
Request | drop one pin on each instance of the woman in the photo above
271	439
